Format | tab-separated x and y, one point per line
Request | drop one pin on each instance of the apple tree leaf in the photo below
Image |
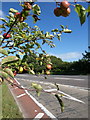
13	10
9	72
55	30
9	59
3	51
62	26
81	11
3	20
67	30
4	74
38	88
36	9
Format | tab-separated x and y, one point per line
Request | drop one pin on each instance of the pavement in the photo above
75	89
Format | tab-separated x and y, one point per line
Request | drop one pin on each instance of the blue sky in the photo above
72	45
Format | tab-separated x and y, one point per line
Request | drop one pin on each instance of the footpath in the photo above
28	106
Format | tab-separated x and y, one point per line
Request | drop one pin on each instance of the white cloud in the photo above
70	56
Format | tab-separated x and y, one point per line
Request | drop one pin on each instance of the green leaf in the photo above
3	51
4	74
38	88
31	71
3	20
9	72
2	26
81	11
62	26
9	59
1	36
11	14
13	10
60	102
59	36
67	30
55	30
36	9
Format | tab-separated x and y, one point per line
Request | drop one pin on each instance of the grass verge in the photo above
9	106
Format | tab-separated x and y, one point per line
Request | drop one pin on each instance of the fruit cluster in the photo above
25	12
48	67
63	9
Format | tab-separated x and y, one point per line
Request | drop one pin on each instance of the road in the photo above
75	86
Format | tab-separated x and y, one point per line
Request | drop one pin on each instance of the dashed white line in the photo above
38	116
21	95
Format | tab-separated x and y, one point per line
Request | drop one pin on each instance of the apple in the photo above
48	66
15	72
17	14
48	72
20	69
65	4
66	12
57	11
6	36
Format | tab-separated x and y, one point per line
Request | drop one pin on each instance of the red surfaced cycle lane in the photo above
28	106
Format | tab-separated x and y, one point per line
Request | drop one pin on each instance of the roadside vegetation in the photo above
9	107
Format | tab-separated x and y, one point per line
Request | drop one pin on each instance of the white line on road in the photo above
65	95
38	116
41	106
70	97
49	83
21	95
67	78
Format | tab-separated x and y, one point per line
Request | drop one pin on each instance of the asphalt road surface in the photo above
75	87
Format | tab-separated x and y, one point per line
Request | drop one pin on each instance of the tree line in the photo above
60	67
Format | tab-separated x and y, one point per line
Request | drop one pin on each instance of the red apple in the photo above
48	66
6	36
17	14
65	4
57	11
66	12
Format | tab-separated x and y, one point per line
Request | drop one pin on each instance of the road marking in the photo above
65	95
17	81
70	97
41	106
50	90
67	78
49	83
38	116
15	87
21	95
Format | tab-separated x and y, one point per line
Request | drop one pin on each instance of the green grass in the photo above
9	106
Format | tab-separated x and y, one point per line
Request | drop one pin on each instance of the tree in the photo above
18	38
